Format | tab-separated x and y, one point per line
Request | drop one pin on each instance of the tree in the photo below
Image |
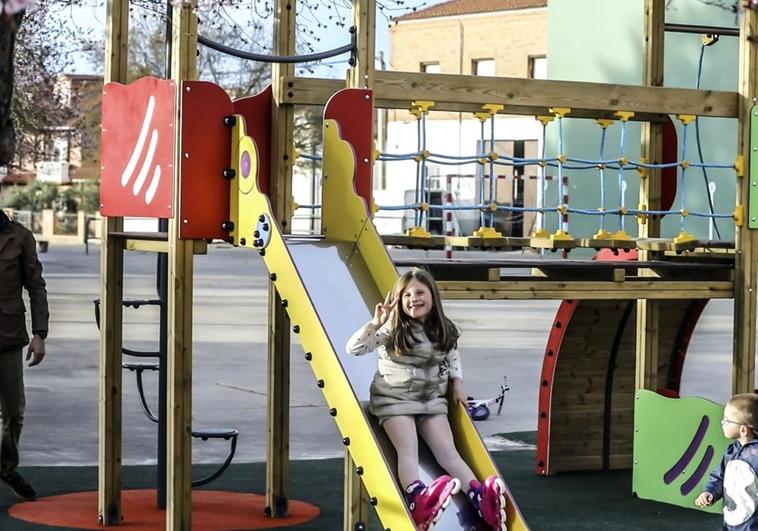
40	58
8	28
32	58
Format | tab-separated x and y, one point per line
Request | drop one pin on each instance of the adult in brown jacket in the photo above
19	268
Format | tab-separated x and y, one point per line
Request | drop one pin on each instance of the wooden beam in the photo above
746	240
278	395
396	90
180	270
361	75
648	312
111	310
557	290
152	246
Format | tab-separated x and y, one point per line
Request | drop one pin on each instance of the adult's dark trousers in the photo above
12	404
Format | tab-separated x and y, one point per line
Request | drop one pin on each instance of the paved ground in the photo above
229	383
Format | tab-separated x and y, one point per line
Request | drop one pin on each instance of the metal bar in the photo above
707	30
263	58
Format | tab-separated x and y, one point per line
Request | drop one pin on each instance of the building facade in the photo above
494	38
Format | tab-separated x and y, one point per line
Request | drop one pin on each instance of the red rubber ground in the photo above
211	511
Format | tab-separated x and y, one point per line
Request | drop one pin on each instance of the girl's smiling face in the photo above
417	300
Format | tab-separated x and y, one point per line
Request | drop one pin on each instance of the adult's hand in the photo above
36	351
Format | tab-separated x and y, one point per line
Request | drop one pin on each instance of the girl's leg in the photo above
436	433
401	430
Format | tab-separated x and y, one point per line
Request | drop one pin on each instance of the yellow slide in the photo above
331	284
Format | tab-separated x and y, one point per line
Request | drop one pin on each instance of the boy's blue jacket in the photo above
747	453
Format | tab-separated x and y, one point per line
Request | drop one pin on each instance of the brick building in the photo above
496	38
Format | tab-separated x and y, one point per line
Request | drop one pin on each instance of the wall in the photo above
509	37
601	40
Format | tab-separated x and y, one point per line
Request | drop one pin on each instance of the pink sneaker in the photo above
427	503
489	500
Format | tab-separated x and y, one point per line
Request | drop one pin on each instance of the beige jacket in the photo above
411	384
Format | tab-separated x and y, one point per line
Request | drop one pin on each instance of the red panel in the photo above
560	324
670	154
550	362
257	113
353	109
206	152
137	149
686	329
555	341
610	255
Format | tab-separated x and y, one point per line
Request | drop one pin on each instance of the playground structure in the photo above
197	210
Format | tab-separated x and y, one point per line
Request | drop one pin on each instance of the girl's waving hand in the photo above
383	310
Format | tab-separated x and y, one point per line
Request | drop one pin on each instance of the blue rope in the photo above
560	171
459	157
543	181
424	215
480	175
683	181
492	169
620	178
637	164
699	145
417	195
602	178
452	162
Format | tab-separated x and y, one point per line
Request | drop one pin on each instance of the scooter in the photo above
480	409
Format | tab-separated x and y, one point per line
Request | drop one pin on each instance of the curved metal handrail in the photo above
225	434
263	58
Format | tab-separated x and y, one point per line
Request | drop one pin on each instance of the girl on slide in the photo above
418	358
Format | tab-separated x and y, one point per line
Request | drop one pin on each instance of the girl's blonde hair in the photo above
438	328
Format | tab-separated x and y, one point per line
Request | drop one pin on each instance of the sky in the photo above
91	18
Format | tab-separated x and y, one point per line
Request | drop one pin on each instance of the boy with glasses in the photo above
735	478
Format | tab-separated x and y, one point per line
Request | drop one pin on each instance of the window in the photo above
431	68
538	67
483	67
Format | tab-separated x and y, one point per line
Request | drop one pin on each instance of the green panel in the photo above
752	215
677	442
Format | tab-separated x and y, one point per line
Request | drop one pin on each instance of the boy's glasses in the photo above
725	421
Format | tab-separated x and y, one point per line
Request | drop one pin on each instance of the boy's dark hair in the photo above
439	329
746	405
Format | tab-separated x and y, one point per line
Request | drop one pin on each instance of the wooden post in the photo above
355	504
746	246
278	396
650	194
361	75
111	298
180	266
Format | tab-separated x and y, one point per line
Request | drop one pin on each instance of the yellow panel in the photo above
351	420
344	215
344	219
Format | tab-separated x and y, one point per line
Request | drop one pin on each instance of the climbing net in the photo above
606	166
556	167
